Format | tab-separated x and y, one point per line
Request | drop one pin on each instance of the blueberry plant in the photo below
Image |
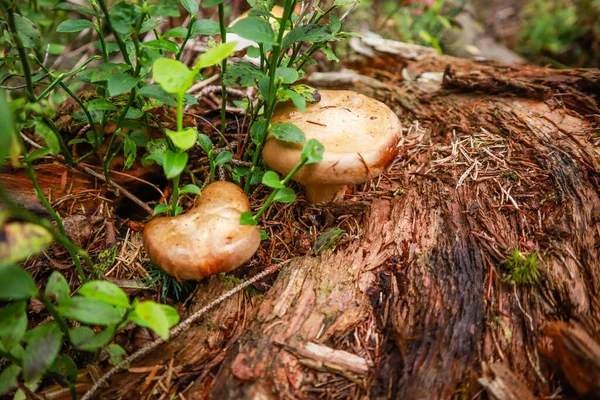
134	69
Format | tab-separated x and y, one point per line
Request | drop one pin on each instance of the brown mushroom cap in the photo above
360	136
208	239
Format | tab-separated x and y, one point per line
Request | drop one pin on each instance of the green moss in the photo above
522	269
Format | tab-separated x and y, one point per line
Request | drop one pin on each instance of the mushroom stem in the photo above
318	193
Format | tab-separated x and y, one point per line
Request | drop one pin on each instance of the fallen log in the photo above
485	229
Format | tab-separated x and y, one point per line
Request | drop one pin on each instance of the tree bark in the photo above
495	158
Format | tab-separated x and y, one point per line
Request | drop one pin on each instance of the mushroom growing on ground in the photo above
208	239
360	136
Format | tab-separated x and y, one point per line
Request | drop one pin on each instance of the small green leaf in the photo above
171	313
271	179
161	208
28	32
330	54
312	33
21	240
214	55
74	25
106	258
256	29
162	44
44	131
104	291
243	74
288	132
121	83
83	338
91	311
205	142
205	27
8	378
43	345
115	353
297	99
190	5
171	75
285	195
179	32
327	240
263	235
65	367
190	189
247	219
287	75
223	158
184	139
7	126
174	164
313	151
334	23
258	131
100	105
309	93
57	287
151	315
16	283
13	324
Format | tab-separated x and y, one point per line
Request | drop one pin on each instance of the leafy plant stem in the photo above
108	157
223	69
55	314
187	37
284	182
175	195
112	29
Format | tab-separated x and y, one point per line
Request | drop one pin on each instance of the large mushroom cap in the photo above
360	136
208	239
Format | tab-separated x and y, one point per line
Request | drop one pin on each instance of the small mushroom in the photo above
208	239
360	136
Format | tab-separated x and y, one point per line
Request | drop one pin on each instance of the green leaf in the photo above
8	378
28	32
171	313
205	142
106	292
247	219
285	195
309	93
256	29
184	139
121	83
151	315
158	93
288	132
258	131
327	240
124	16
243	74
313	152
106	258
65	367
13	324
330	54
43	345
16	283
312	33
58	288
74	25
205	27
271	179
44	131
223	158
162	44
297	99
334	23
287	75
161	208
190	5
84	338
91	311
174	164
214	55
171	75
100	105
115	353
263	235
21	240
129	150
179	32
190	189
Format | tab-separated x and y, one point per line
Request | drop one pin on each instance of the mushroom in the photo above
360	136
208	239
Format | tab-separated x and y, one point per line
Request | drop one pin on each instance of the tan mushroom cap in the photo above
360	136
208	239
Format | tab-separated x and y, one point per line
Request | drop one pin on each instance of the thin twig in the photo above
182	327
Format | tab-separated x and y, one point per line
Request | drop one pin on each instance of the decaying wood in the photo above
502	384
495	158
